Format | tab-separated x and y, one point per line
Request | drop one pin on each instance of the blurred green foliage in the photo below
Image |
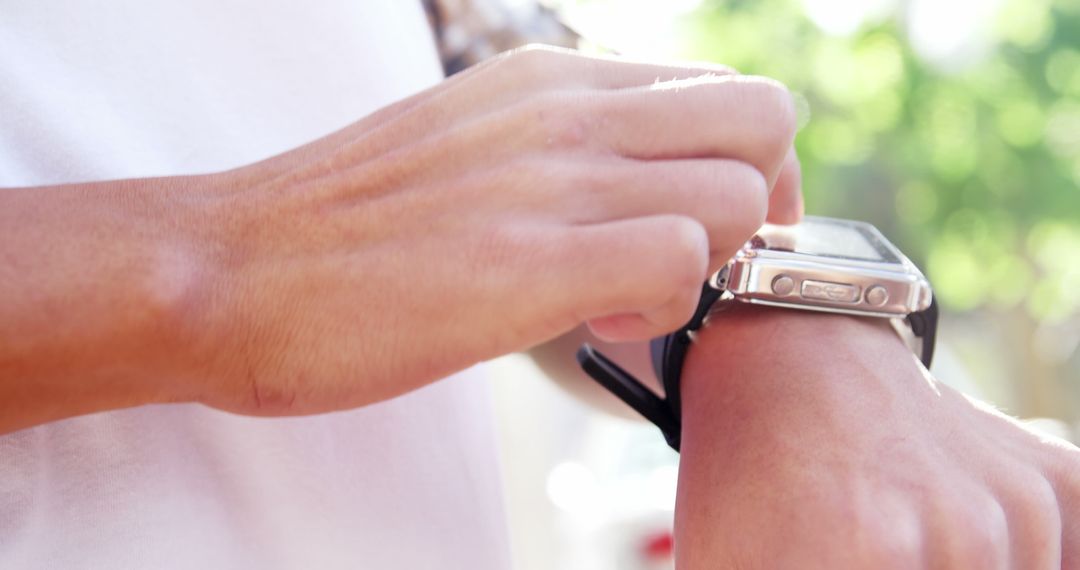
972	168
974	171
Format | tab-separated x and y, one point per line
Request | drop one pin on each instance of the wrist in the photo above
795	367
105	273
764	338
169	235
194	285
163	264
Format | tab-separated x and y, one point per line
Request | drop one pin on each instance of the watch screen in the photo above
827	237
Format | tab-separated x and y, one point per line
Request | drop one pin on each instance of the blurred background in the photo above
952	125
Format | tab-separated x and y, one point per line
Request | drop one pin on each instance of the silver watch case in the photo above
891	288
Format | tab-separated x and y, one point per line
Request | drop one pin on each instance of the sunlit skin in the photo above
815	441
505	207
493	212
818	441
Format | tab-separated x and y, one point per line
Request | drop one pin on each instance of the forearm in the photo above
399	250
761	391
92	280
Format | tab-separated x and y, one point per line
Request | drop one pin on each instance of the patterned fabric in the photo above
470	31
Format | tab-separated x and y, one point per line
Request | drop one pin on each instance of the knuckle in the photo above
745	176
1040	492
1071	462
687	253
535	49
1065	469
562	122
748	203
732	203
978	531
993	524
680	308
754	191
981	545
882	540
775	112
533	60
780	104
887	550
1038	505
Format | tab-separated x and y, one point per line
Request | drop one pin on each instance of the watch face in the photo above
826	237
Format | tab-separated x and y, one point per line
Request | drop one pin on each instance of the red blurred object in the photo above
658	546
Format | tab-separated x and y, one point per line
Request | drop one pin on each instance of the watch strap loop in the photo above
632	391
924	326
675	346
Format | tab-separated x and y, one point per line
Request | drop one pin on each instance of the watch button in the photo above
783	285
877	296
826	291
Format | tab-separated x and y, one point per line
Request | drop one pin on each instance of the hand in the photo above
817	441
493	212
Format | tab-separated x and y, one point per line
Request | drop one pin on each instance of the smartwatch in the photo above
821	264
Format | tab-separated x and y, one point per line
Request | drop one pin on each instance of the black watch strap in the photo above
924	327
669	353
631	391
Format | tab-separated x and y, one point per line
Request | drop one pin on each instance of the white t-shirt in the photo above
93	90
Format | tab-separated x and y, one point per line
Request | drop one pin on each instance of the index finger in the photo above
751	119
